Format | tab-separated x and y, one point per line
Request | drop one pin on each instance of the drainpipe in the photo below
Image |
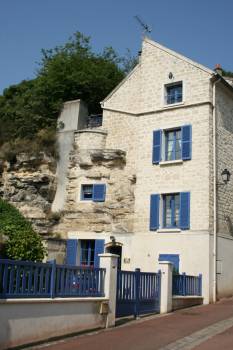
215	194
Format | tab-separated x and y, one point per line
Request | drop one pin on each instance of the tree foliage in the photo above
67	72
227	73
23	243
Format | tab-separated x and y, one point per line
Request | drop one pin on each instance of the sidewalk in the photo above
184	329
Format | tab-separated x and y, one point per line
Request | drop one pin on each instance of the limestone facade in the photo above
119	155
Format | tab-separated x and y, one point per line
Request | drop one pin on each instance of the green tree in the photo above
70	71
23	243
227	73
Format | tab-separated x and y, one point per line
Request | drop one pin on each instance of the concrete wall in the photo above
224	266
179	302
32	320
72	118
65	145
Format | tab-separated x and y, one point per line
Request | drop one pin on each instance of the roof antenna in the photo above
145	27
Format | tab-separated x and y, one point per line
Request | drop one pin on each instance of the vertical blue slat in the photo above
184	210
99	249
71	251
154	212
11	285
99	191
186	142
17	287
5	279
156	153
30	281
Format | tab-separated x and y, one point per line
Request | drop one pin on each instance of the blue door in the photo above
173	258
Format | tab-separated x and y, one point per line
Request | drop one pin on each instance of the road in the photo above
208	327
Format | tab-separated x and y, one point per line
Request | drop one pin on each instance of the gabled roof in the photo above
170	52
178	55
121	83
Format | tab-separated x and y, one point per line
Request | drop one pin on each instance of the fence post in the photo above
200	284
109	262
137	293
53	278
183	283
166	286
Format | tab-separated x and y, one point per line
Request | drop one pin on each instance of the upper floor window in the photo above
171	210
172	144
94	192
173	93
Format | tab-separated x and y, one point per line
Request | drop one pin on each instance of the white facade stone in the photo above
130	115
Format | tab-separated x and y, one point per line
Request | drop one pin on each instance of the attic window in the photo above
173	93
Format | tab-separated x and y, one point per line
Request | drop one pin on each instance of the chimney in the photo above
139	56
218	69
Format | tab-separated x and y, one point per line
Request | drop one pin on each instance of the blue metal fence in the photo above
24	279
187	285
137	293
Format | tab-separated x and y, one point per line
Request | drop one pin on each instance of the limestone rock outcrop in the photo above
30	185
115	214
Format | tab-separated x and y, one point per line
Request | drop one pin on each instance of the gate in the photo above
137	293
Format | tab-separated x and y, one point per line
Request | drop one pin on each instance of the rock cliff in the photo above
30	185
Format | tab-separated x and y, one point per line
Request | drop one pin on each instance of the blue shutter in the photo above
71	251
99	192
154	212
99	249
174	258
186	142
157	139
184	210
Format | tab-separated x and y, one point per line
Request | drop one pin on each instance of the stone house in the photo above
147	184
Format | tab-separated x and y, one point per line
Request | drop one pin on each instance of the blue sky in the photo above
200	29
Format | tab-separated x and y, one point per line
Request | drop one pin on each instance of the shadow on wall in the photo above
28	322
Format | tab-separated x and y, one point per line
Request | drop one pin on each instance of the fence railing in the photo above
25	279
187	285
137	293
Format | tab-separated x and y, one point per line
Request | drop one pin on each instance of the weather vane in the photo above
145	27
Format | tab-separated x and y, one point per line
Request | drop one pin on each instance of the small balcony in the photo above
94	121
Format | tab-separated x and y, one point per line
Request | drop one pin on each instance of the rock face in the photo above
29	184
89	166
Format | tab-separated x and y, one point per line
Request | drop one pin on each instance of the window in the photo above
95	192
87	192
173	144
173	93
84	252
171	210
87	252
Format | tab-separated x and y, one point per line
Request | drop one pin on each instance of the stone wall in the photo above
131	129
224	111
30	185
91	166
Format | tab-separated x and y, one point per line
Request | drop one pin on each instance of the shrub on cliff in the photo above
23	243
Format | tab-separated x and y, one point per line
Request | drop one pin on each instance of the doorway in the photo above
115	249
